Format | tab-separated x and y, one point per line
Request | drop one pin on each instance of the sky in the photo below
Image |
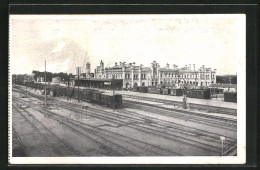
69	41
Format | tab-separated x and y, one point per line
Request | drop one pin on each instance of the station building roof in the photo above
100	80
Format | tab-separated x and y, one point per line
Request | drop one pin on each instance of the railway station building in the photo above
155	75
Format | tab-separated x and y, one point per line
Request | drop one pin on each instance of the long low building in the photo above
108	84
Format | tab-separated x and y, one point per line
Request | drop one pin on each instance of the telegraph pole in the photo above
45	86
113	93
78	84
114	99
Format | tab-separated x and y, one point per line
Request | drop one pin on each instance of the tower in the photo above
88	68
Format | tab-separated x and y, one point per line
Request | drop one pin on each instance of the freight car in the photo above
143	89
111	101
198	93
154	90
136	88
166	91
86	94
96	96
77	94
176	92
230	97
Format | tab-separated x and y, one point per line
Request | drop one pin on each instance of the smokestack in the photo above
115	63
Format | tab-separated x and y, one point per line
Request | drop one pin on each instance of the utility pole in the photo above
113	94
114	99
45	86
78	84
222	138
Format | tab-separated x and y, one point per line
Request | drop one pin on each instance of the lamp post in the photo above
222	138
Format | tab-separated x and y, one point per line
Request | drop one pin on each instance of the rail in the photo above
230	148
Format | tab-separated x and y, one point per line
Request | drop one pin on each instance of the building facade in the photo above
154	75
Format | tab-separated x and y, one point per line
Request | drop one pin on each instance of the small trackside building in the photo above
107	84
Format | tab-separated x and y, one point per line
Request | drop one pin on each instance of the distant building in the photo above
88	68
154	75
100	71
40	79
56	80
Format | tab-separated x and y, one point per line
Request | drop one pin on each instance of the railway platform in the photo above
206	102
178	108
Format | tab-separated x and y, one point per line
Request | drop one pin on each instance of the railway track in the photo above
205	108
105	135
23	151
45	137
153	129
230	124
139	125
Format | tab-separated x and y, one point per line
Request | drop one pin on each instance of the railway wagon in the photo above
216	91
61	91
77	94
230	97
111	101
87	94
143	89
154	90
198	93
136	88
176	92
96	96
166	91
55	91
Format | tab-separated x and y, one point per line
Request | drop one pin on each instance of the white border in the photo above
241	103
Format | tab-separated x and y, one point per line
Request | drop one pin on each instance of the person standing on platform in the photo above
184	104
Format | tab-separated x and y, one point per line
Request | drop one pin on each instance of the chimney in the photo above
167	65
193	67
120	63
115	63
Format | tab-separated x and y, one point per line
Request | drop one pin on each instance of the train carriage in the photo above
96	97
77	94
176	92
198	93
166	91
143	89
230	97
136	88
87	94
154	90
111	101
